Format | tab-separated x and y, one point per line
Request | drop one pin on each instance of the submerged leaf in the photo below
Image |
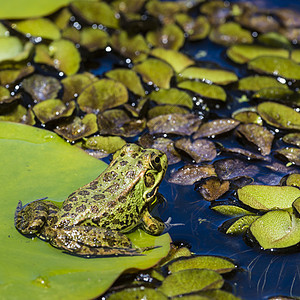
212	188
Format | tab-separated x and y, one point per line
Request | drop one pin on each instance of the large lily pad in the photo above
50	167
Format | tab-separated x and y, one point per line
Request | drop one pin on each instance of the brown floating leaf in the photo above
228	168
292	138
117	122
292	154
246	153
41	87
78	128
101	95
215	127
217	11
213	188
189	174
180	124
199	150
289	17
258	135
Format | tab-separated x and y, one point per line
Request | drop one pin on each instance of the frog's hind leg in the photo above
93	241
31	218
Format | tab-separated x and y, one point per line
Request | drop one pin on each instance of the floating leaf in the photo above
169	37
78	128
180	124
216	263
274	39
217	76
279	66
230	33
292	138
165	110
247	115
231	210
276	229
38	174
279	115
106	144
172	96
53	109
256	83
264	197
258	135
290	153
206	90
246	153
19	114
215	127
293	180
39	27
238	225
128	6
199	150
217	11
129	78
189	174
218	294
137	293
41	87
101	95
187	281
93	39
289	17
177	60
96	12
155	71
243	53
12	76
212	188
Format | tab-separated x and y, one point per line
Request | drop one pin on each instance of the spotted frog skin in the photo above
92	220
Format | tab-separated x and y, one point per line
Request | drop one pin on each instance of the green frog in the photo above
93	219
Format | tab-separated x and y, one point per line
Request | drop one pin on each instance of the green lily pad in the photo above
217	76
106	144
101	95
247	115
172	96
293	180
238	225
187	281
211	91
276	229
274	39
216	263
275	65
279	115
256	83
292	138
243	53
165	110
40	27
265	197
230	209
155	71
93	39
33	267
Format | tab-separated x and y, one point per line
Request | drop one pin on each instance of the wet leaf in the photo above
117	122
239	225
292	138
155	71
206	90
217	11
231	210
243	53
256	83
96	12
274	39
41	87
196	29
247	115
39	27
93	39
133	47
279	115
187	281
128	6
73	85
276	229
291	154
227	169
137	293
129	78
217	76
265	197
14	75
230	33
179	124
293	180
177	60
199	150
19	114
165	110
106	144
246	153
172	96
216	263
215	127
169	37
101	95
212	188
289	17
189	174
78	128
261	137
278	66
219	294
53	109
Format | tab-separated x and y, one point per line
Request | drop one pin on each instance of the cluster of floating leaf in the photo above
180	275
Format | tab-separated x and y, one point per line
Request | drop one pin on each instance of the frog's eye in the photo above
155	163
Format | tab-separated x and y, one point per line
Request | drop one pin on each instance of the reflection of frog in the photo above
92	220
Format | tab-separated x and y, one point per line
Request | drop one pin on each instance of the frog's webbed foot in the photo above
93	241
151	225
31	218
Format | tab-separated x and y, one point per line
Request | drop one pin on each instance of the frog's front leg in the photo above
92	241
152	225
